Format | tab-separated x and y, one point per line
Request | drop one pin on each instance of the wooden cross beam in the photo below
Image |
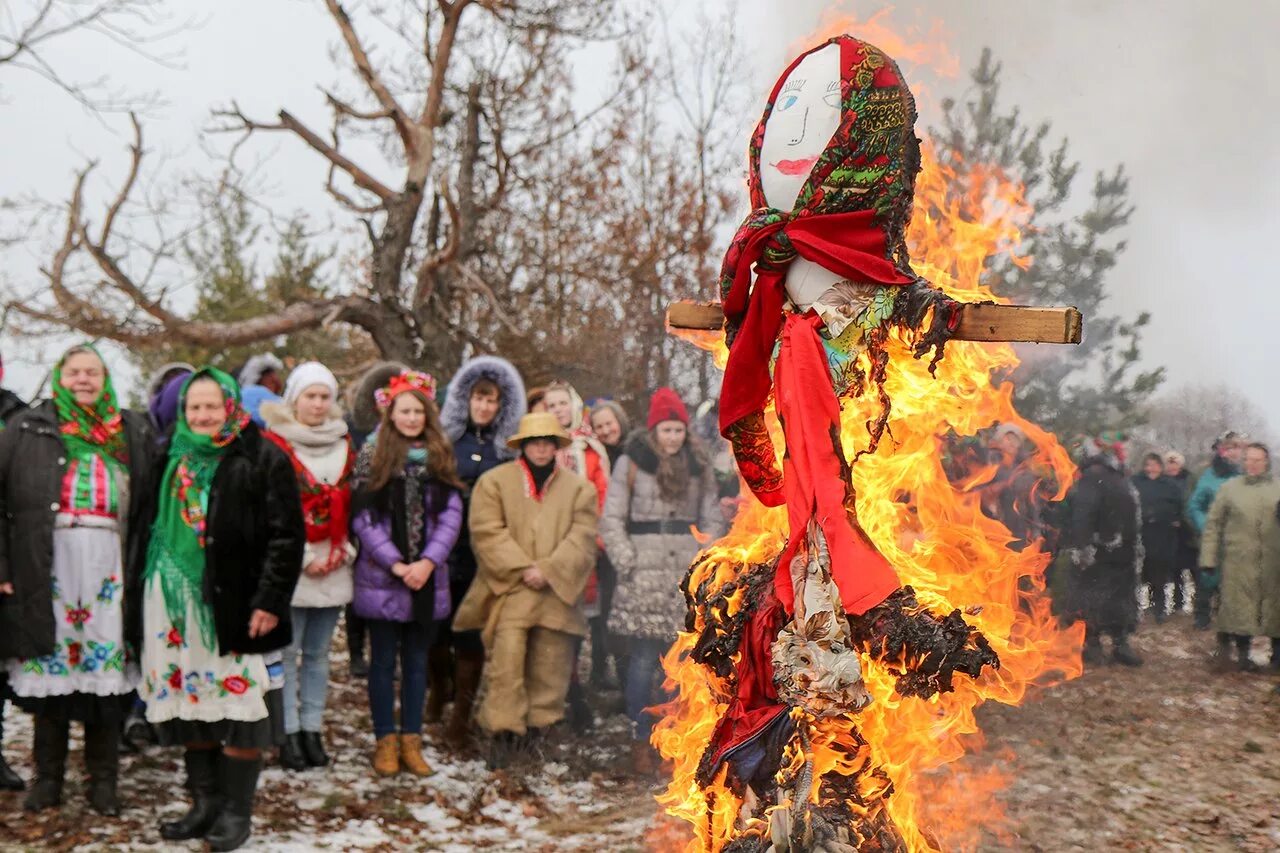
979	321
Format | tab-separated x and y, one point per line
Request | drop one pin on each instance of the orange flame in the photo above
906	45
936	535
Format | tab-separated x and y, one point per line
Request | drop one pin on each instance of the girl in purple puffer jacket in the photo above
407	512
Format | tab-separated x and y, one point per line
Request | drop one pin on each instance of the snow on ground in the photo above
1168	757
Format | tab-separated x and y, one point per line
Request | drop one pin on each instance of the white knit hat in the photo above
304	376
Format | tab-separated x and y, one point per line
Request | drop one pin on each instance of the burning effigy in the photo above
839	638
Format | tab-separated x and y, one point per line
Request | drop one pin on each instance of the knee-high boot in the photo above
206	801
439	664
238	785
50	742
102	761
467	670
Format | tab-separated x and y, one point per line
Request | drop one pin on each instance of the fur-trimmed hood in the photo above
457	399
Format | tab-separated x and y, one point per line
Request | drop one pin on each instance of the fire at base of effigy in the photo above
787	803
840	637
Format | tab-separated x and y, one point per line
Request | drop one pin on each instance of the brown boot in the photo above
386	757
411	755
644	761
439	662
466	682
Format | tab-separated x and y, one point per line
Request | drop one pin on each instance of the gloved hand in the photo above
1209	577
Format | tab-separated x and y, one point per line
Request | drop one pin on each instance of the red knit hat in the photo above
666	405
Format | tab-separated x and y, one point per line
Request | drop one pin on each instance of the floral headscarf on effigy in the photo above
176	552
850	217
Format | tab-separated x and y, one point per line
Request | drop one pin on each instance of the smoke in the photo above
1182	95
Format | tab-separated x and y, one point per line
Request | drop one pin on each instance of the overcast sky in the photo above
1184	93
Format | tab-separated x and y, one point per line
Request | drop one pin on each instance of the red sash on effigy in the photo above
816	474
816	485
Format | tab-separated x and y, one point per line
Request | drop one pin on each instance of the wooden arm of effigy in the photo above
979	321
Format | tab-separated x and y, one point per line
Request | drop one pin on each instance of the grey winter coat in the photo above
649	541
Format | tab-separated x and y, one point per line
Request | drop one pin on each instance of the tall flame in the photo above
933	531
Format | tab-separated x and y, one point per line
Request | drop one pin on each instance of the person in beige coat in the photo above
533	531
1241	544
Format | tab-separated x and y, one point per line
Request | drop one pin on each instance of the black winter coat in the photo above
1104	537
253	545
1161	501
11	405
33	461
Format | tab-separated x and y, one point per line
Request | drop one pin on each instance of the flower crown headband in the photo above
410	380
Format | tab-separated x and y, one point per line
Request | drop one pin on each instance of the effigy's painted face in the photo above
805	116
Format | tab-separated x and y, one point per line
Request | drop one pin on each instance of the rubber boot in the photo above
1242	654
292	756
102	763
1122	653
313	749
49	740
137	731
581	717
503	747
468	668
206	800
238	785
1092	654
439	662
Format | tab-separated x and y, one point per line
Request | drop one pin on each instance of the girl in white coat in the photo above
309	427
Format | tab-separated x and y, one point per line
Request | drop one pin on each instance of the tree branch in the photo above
288	122
364	67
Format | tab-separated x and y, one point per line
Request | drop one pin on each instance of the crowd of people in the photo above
179	576
1208	542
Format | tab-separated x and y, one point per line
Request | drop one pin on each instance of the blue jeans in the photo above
643	665
313	629
409	642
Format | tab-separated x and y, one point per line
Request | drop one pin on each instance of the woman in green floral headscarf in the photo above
70	470
217	577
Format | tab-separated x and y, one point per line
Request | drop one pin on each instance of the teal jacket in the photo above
1218	472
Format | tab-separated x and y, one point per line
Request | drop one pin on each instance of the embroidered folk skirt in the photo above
194	694
88	671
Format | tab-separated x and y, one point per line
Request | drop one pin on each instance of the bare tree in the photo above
26	36
515	222
1189	417
417	267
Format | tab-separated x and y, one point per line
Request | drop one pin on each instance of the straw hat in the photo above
539	425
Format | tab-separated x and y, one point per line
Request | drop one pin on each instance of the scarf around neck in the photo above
574	457
326	507
176	553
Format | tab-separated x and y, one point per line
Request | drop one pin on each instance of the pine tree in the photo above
1098	385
